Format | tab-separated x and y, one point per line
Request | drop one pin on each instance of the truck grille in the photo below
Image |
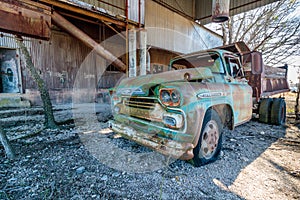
140	102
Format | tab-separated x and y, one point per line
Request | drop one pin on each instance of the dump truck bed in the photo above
264	80
270	82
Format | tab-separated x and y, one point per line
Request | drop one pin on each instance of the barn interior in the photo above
82	48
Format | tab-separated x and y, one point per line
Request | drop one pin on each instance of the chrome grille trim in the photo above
140	102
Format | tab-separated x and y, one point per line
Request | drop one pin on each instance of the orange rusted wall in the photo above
25	18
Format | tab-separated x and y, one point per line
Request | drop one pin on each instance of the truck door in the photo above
241	92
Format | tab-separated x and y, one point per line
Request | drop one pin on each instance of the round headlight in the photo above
175	96
165	96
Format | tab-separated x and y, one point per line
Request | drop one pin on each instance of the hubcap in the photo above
209	140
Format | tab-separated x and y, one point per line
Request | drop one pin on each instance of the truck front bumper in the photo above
168	147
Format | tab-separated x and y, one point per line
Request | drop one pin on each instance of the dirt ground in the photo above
85	160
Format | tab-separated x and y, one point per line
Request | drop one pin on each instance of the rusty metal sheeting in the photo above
26	18
79	34
220	10
237	47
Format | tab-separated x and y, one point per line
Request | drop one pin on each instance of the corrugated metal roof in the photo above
204	8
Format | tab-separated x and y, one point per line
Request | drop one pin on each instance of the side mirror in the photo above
256	62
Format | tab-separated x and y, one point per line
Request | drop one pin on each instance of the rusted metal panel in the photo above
87	10
165	146
274	80
25	18
220	10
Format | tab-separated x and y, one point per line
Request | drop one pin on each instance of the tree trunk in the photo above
47	105
7	147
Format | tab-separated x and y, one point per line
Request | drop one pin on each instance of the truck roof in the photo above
203	52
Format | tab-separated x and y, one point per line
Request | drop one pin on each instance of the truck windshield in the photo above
208	59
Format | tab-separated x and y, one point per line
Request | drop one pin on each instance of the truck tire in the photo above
210	140
265	110
278	112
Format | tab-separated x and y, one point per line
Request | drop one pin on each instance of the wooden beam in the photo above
25	18
78	10
79	34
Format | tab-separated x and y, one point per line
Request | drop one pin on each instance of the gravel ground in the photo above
258	161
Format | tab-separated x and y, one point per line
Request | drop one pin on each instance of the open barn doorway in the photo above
10	71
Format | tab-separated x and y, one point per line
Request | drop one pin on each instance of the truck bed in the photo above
265	82
272	81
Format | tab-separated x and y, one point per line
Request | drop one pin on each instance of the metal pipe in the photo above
76	32
127	32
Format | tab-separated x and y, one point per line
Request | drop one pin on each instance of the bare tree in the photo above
47	105
271	29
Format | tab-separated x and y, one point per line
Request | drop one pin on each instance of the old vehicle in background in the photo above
182	112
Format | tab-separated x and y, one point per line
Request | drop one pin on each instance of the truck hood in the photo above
140	85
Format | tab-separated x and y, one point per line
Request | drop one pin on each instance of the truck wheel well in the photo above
226	115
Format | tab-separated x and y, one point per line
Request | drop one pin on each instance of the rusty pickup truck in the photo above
181	113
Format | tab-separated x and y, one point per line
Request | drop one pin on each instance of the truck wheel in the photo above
278	112
265	110
210	140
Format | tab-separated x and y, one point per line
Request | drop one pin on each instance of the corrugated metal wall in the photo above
169	30
133	10
185	6
65	64
8	41
58	60
118	7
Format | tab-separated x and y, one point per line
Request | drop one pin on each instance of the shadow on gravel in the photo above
58	166
240	148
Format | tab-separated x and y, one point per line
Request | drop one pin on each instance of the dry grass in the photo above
290	99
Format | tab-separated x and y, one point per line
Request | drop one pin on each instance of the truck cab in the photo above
181	113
